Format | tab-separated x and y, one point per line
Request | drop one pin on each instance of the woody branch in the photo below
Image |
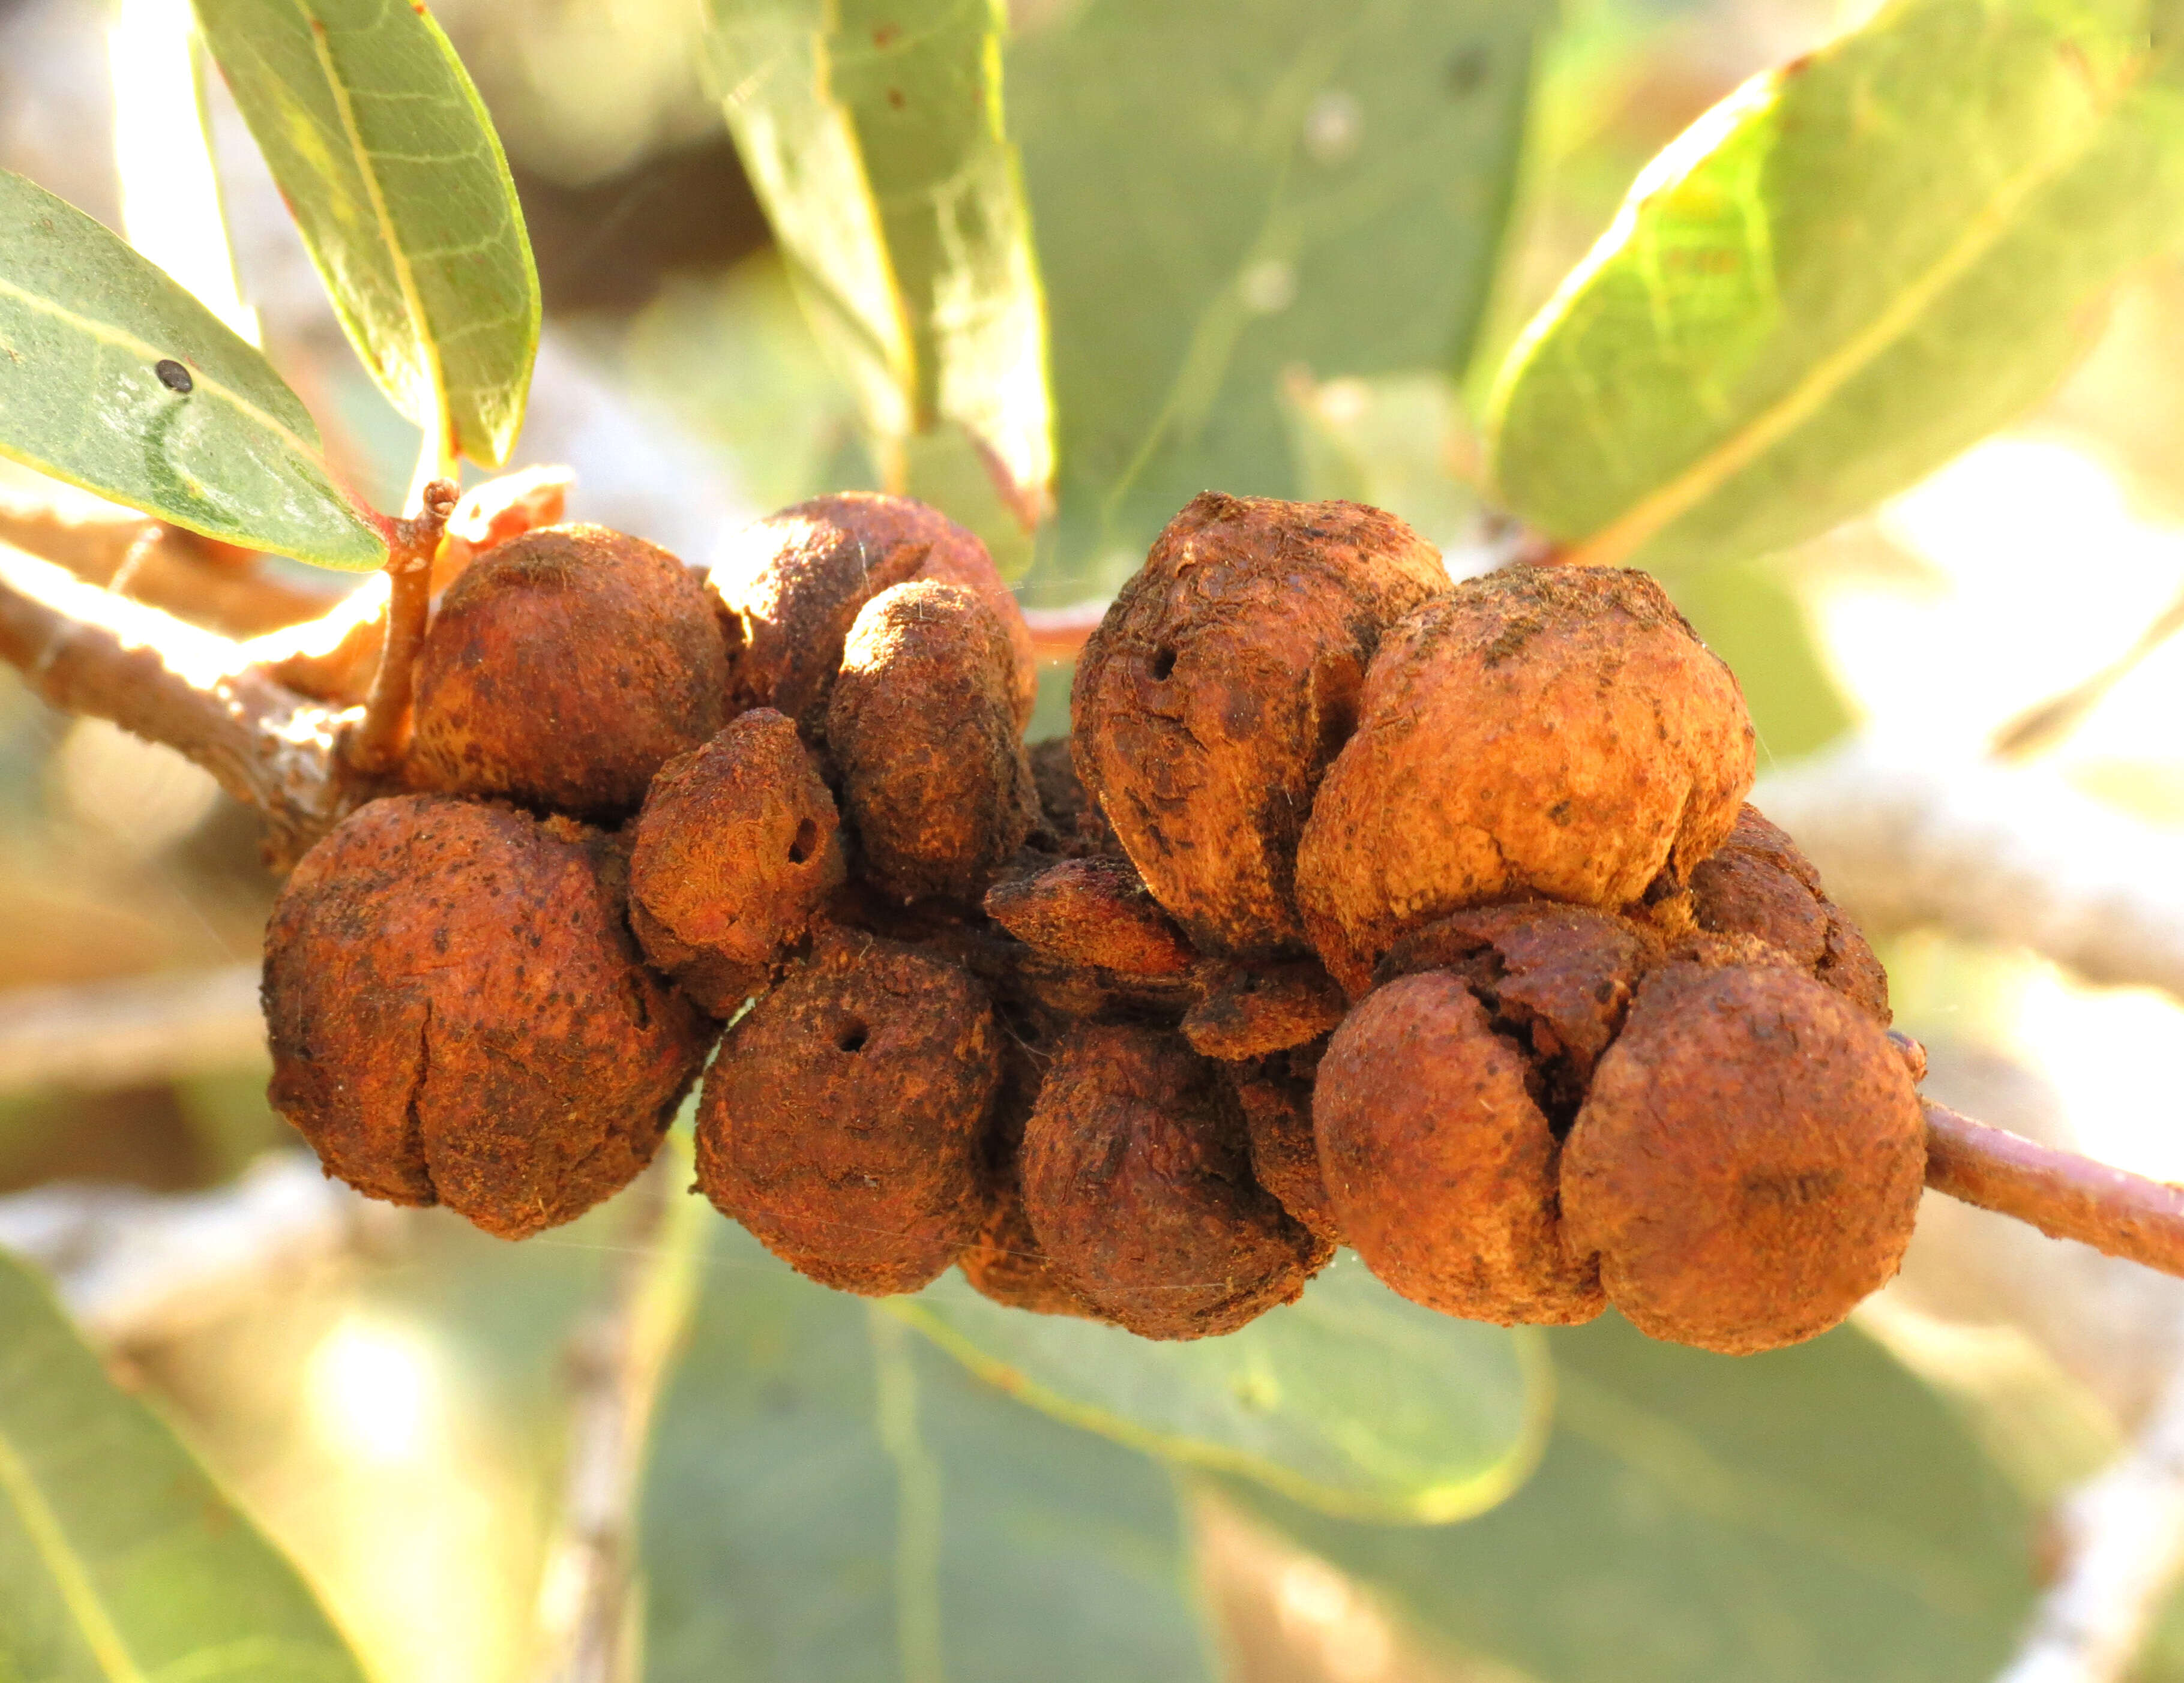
86	651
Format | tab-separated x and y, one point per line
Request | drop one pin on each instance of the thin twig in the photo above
588	1609
101	1036
1060	633
2122	1537
321	641
2064	1194
163	566
2060	1193
376	743
85	650
333	657
2043	725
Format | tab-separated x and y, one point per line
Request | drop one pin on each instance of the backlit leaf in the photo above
1350	1398
86	325
832	1501
395	177
1231	194
1814	1515
873	130
120	1562
1850	269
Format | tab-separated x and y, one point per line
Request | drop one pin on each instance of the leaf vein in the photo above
70	1576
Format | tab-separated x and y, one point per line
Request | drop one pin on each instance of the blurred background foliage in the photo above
1282	248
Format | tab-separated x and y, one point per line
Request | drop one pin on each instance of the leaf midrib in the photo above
405	276
122	339
1614	543
70	1576
1691	1476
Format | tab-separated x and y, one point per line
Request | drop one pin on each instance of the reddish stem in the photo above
2064	1194
377	741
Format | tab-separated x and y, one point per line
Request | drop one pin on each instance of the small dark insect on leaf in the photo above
172	375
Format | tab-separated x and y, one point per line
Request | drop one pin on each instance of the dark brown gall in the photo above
1758	883
1137	1179
1071	823
735	850
1251	1010
1095	913
564	669
840	1120
458	1016
1555	979
1747	1166
1276	1106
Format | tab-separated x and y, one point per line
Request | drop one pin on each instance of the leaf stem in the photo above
377	741
2064	1194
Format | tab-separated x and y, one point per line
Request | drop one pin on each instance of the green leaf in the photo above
84	323
1228	191
396	179
829	1501
1350	1399
120	1562
1844	274
872	132
1814	1515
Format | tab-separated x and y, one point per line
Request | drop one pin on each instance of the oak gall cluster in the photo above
1359	907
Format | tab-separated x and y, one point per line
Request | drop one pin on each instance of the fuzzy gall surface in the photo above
1440	1165
1555	980
840	1121
735	850
1006	1262
1758	883
1748	1164
1137	1181
1550	731
1071	823
933	777
1094	913
1223	680
791	583
1276	1106
563	669
1251	1010
458	1016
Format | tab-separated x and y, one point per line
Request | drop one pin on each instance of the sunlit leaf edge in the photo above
1436	1505
491	447
366	523
505	437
